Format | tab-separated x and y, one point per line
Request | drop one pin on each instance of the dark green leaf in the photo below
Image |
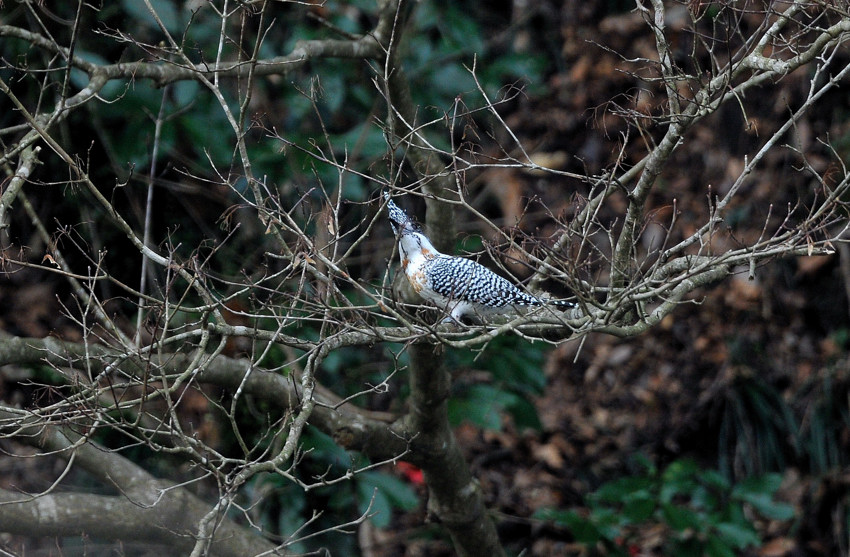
164	9
715	547
524	414
377	503
682	518
582	529
384	492
765	484
481	405
758	491
619	490
678	479
639	508
399	492
768	508
737	535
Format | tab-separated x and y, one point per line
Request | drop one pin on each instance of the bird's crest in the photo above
398	218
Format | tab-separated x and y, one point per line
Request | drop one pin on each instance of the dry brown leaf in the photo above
778	548
48	257
743	294
550	454
809	265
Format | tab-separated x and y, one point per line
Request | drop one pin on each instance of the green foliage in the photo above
380	493
823	434
447	37
701	511
515	367
163	8
285	508
758	429
483	405
761	428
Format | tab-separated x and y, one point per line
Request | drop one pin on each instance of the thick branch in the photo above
28	160
353	429
147	505
455	496
115	518
165	71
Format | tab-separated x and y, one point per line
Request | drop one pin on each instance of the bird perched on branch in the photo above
461	287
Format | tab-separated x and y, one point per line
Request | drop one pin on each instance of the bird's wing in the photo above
468	280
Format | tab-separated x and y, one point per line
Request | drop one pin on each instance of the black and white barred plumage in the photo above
460	286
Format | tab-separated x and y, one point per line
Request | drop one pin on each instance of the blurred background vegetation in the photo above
725	431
